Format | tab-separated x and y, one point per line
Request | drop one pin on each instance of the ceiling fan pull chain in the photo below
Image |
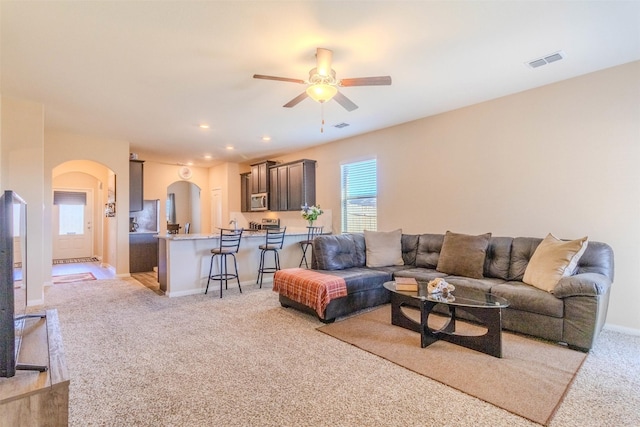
322	117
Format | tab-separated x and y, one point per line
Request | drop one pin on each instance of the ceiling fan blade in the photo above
345	102
367	81
280	79
295	101
323	61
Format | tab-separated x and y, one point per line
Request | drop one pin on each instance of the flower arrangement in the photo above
311	213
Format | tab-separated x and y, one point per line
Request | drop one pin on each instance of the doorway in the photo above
72	223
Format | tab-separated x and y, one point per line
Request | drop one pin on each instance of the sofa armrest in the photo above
584	284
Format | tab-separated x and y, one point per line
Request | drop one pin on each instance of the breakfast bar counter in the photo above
184	260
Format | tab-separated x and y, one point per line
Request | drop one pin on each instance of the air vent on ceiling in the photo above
341	125
547	59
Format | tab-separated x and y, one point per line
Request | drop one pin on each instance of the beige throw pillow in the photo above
552	260
463	255
384	248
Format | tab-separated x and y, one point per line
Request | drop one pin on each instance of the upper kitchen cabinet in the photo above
293	185
260	177
136	185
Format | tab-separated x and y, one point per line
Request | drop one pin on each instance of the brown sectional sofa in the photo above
573	313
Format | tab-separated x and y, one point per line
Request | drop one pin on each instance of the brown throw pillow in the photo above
463	255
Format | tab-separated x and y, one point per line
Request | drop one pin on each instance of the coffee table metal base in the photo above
489	343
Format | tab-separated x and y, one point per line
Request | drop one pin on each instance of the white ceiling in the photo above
150	72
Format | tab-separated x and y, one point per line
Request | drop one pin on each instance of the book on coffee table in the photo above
406	284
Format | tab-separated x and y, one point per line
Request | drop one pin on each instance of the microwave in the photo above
259	202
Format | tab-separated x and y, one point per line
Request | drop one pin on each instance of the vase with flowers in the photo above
311	213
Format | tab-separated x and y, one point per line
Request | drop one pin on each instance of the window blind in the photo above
359	183
69	198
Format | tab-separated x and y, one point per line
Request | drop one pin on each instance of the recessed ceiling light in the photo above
189	163
208	156
204	126
229	147
266	138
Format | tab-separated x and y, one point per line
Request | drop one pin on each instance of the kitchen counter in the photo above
245	234
184	260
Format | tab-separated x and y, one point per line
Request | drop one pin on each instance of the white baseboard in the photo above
622	329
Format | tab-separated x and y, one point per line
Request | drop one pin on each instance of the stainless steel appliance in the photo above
259	202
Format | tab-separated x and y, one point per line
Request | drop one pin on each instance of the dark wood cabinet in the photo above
245	192
260	177
143	252
293	185
136	185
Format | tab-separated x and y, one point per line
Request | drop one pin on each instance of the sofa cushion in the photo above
419	273
498	258
334	252
362	279
409	248
429	246
360	259
463	255
522	248
384	248
553	260
528	298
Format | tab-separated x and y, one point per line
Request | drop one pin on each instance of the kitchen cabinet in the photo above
260	177
293	185
245	192
143	252
136	185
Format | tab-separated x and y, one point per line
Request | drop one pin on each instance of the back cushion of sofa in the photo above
409	248
429	246
334	252
497	260
522	249
360	258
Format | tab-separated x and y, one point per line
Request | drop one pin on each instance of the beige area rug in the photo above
70	278
530	380
74	260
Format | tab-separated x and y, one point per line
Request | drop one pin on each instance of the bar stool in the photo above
312	232
229	244
273	242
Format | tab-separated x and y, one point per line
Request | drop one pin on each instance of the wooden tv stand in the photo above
32	398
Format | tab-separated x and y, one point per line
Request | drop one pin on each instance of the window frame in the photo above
363	192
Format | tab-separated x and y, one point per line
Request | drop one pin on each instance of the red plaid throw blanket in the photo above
309	287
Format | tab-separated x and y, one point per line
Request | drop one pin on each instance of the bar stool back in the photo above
312	232
229	245
273	243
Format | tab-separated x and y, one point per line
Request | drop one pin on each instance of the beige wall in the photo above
61	148
159	176
22	171
562	158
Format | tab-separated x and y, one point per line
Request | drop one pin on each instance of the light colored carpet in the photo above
70	278
529	380
139	359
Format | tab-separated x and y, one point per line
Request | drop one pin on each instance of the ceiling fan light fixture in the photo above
321	92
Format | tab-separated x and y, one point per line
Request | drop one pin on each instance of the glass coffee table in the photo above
484	307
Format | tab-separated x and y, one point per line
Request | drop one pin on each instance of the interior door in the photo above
72	224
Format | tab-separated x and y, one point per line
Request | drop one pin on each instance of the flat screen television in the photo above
13	279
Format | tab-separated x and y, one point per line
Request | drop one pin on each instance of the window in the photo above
71	211
359	196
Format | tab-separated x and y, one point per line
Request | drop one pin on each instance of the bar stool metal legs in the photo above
312	232
273	242
229	244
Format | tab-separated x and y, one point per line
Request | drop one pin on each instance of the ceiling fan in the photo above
322	85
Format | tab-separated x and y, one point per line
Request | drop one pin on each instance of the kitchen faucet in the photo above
235	224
